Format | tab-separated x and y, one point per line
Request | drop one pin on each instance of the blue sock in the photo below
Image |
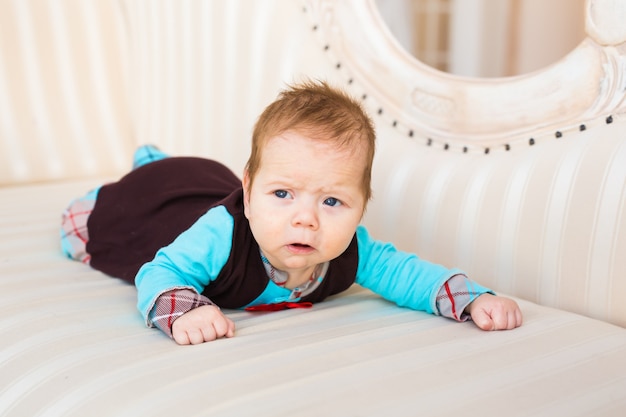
146	154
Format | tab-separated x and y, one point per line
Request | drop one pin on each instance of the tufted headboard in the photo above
520	181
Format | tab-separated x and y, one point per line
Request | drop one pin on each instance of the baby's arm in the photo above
412	282
491	312
171	285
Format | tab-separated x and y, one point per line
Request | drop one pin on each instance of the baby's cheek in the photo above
342	241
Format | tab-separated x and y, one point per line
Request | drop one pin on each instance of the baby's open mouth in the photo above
300	248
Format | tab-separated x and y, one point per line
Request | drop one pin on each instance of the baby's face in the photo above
305	202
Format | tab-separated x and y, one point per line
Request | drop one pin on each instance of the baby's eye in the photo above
332	201
281	193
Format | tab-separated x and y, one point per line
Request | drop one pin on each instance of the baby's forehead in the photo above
346	143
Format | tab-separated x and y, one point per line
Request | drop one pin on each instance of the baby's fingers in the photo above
223	327
188	337
507	319
483	320
196	336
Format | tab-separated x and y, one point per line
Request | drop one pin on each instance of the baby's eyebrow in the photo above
339	187
281	182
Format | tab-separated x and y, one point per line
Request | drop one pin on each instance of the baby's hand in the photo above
202	324
490	312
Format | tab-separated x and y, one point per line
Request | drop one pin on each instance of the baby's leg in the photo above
74	233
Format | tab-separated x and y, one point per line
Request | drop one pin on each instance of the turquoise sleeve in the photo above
397	276
192	260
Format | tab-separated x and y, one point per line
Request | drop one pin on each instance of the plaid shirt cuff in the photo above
171	305
455	295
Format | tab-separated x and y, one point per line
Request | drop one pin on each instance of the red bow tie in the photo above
278	306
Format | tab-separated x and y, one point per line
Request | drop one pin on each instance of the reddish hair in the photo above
323	113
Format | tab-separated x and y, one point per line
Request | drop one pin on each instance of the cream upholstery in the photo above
519	181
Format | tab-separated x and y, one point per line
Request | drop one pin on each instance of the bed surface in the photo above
73	344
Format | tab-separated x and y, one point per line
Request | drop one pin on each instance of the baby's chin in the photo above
297	256
293	263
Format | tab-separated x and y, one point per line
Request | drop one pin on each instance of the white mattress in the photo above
73	344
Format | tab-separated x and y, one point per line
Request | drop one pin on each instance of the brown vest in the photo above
149	207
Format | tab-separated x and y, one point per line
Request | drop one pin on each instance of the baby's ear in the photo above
246	179
245	184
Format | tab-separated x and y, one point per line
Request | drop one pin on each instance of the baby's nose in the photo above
306	217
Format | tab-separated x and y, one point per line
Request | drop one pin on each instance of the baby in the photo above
194	238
